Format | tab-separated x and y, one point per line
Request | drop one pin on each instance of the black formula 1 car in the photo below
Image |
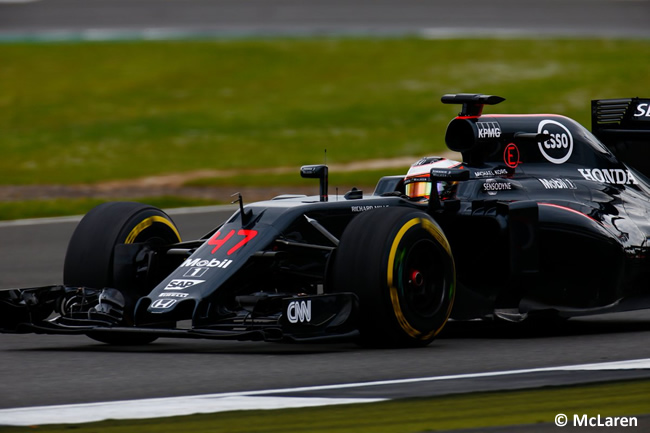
541	218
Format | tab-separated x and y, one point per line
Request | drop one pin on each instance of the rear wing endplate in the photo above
620	119
623	125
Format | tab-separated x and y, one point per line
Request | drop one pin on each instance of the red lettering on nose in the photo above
214	240
218	242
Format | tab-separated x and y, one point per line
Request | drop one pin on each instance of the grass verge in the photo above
88	112
82	113
342	180
477	410
65	207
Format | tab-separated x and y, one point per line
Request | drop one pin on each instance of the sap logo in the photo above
488	129
214	263
615	176
642	110
557	183
182	284
163	303
299	311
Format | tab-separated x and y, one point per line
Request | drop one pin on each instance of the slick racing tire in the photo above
399	263
89	258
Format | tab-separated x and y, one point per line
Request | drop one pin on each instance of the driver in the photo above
417	183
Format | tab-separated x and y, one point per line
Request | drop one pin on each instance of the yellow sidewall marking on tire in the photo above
146	223
394	296
435	231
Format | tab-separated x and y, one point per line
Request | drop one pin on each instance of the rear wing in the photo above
623	125
619	119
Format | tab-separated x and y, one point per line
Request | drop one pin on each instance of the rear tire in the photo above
89	258
399	263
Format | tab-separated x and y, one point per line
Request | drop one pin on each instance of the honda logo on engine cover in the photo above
299	311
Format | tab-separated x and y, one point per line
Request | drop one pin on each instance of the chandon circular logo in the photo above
559	147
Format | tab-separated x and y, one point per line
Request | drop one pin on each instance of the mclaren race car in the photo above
540	218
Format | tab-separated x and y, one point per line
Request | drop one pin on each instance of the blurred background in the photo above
182	102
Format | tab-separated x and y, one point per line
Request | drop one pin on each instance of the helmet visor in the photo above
418	189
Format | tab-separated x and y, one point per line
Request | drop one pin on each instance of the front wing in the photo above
315	318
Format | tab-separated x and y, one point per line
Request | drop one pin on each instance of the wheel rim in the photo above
422	286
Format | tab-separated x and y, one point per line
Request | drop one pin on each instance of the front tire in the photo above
89	260
399	263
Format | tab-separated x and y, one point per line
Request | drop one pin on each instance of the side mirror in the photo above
316	172
447	175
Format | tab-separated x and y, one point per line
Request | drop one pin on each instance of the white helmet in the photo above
417	183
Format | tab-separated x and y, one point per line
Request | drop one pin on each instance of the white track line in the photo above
159	408
248	400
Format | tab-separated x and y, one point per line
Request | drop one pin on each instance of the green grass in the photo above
344	179
75	113
82	113
477	410
62	207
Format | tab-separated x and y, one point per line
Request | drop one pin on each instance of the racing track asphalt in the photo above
46	370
